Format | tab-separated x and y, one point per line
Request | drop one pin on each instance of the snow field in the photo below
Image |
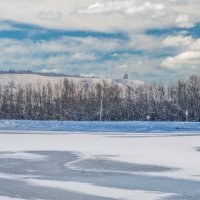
178	152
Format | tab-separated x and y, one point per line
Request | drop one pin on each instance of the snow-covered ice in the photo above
173	151
9	198
100	165
100	191
23	156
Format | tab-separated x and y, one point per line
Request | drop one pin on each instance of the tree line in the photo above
70	100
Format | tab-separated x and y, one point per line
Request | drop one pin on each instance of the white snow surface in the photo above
10	198
23	156
15	176
34	79
86	188
160	146
169	150
90	189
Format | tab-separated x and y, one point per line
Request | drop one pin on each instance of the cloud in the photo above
123	66
188	52
81	56
186	59
183	21
126	7
5	27
107	15
74	55
49	15
182	42
100	36
177	41
51	70
91	75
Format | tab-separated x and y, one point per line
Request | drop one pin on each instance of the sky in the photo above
155	40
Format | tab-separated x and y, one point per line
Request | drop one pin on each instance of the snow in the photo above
10	198
172	151
86	188
23	156
34	79
128	82
14	176
125	127
90	189
163	145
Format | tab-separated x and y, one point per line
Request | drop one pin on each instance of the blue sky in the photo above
155	40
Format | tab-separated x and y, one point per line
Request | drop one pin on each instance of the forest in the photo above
178	101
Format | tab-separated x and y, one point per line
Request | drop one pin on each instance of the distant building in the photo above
125	76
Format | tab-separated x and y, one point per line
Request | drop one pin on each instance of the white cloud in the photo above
183	21
49	15
177	41
189	52
91	75
144	15
186	59
51	70
126	7
186	43
5	27
108	16
123	66
81	56
65	55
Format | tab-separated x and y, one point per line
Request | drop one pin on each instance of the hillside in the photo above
23	79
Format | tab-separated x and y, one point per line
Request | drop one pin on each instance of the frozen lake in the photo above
99	166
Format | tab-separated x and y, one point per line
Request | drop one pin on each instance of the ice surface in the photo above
99	191
123	161
171	151
10	198
23	156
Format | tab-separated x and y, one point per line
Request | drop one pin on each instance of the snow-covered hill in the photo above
23	79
